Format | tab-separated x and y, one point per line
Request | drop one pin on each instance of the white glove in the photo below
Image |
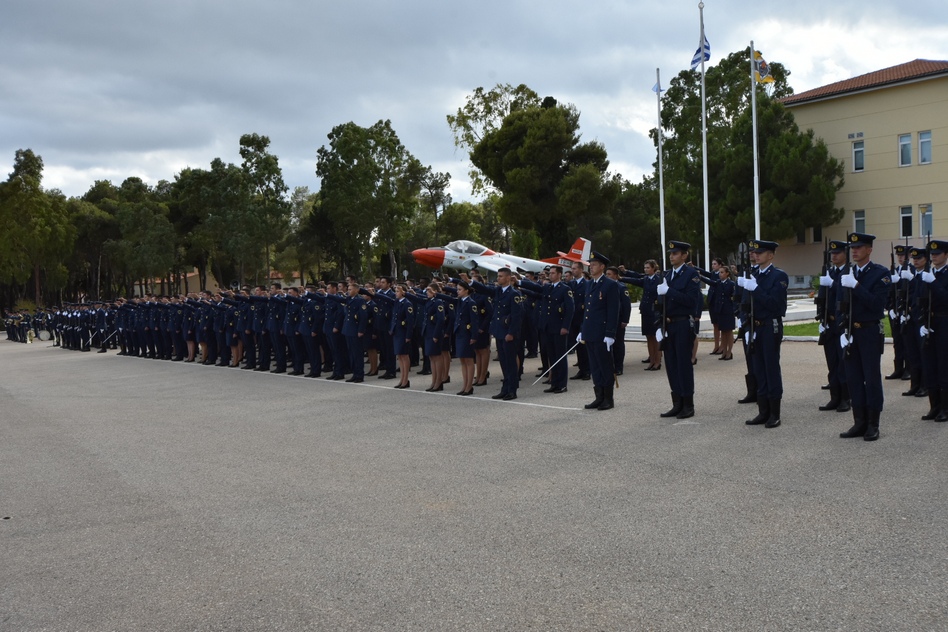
663	288
659	336
896	278
826	280
904	319
740	281
927	277
750	284
845	341
748	337
609	343
579	337
848	280
924	331
822	328
893	315
907	275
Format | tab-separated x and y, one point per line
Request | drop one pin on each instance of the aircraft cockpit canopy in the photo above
466	247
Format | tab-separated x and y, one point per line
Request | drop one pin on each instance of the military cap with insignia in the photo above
937	247
760	245
918	253
682	246
901	249
861	239
837	246
599	257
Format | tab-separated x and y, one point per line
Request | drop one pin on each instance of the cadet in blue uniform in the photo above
648	317
933	329
555	318
828	299
895	308
625	313
768	290
598	333
721	309
505	328
354	328
578	286
869	284
401	329
680	290
916	314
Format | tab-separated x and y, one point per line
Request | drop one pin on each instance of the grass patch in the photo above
813	329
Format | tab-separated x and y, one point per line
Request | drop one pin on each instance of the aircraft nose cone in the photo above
430	257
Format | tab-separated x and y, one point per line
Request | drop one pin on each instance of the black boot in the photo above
934	399
751	396
896	374
687	407
834	401
872	425
774	419
599	395
845	405
763	413
859	424
914	384
943	413
607	395
677	404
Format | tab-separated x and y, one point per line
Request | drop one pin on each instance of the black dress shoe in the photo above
372	374
897	375
278	371
358	380
296	373
405	385
499	396
313	375
510	396
424	373
388	376
247	367
646	361
555	390
580	376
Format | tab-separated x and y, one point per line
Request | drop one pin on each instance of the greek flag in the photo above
696	60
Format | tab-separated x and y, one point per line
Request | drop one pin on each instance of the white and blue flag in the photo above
699	55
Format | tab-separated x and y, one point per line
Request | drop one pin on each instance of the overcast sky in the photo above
109	89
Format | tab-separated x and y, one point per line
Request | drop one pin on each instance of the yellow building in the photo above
890	130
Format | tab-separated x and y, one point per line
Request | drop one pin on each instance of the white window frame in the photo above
861	152
905	150
906	211
925	212
926	142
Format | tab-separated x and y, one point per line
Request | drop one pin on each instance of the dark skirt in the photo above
483	340
725	320
432	347
463	347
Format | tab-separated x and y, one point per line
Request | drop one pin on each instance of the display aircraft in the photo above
468	255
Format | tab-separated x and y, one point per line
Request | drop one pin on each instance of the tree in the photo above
266	203
370	188
37	232
549	181
799	187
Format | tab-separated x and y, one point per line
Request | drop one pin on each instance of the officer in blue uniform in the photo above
578	286
506	328
933	329
868	285
915	314
768	291
625	313
680	292
355	321
827	308
598	333
555	317
895	308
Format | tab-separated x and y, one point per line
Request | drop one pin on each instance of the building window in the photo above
859	221
817	234
925	219
801	236
924	148
905	221
905	150
859	155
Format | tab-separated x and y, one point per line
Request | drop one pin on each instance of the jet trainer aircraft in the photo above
468	255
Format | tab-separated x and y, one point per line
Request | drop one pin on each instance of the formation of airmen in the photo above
335	329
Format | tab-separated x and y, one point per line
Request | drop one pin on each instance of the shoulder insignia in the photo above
886	279
783	284
410	310
696	279
569	293
518	299
626	292
440	308
363	306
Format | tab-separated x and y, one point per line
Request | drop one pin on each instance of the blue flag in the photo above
696	60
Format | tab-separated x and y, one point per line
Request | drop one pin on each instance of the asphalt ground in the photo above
146	495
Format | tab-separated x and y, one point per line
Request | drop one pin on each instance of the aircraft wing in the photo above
486	264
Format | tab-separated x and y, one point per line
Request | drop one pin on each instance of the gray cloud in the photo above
112	89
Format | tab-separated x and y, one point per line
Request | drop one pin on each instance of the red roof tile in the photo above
896	74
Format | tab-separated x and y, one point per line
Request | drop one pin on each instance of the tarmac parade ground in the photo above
146	495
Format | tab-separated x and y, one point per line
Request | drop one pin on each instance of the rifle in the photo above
848	308
826	293
903	292
928	268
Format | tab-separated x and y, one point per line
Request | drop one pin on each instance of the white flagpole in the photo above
704	142
661	181
754	128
